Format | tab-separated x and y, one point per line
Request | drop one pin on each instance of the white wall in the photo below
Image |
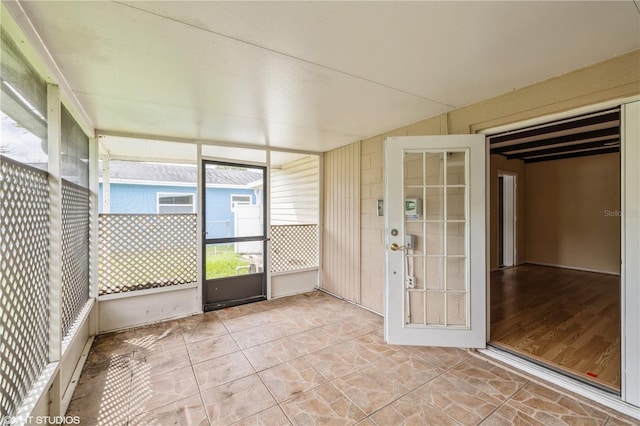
293	283
295	192
127	310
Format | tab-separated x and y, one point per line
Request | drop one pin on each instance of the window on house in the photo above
237	199
175	203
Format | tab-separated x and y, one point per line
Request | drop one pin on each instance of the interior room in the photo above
555	280
296	213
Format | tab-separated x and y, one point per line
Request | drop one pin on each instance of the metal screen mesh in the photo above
140	251
294	247
75	252
24	277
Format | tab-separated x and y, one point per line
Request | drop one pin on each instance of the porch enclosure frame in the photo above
291	274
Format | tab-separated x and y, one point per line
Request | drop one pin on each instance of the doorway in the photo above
234	212
559	304
507	219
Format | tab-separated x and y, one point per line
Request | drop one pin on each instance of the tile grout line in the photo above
505	401
204	406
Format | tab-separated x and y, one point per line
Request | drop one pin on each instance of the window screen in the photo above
23	108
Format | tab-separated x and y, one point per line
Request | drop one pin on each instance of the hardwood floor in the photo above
567	319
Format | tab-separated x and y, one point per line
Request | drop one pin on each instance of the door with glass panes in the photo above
435	249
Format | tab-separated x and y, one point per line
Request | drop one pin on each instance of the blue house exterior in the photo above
127	198
129	194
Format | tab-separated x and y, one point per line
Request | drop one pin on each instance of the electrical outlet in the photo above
410	281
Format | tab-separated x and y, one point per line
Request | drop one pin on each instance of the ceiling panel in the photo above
313	75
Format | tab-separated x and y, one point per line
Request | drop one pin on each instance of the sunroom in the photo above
290	213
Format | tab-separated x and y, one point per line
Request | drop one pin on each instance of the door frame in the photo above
513	205
628	402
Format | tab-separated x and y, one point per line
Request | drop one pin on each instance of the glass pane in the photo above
417	269
435	240
434	204
456	309
175	199
456	168
435	307
225	219
456	279
455	204
434	168
413	193
413	169
416	307
435	273
228	260
455	238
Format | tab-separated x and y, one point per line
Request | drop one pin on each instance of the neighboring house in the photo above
150	188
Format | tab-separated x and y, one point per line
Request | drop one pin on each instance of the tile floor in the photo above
309	359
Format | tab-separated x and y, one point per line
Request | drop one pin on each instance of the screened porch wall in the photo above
294	231
45	203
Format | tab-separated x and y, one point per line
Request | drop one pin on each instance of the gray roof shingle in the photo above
159	172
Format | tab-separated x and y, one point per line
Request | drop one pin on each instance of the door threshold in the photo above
521	365
236	302
558	369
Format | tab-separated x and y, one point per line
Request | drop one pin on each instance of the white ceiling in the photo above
313	75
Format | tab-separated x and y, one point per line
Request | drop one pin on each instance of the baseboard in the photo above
575	268
349	301
68	394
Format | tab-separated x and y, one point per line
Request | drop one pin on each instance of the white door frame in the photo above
629	400
509	216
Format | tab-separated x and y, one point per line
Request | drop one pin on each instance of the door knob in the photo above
396	247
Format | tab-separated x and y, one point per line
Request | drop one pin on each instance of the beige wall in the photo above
500	163
567	223
341	226
612	79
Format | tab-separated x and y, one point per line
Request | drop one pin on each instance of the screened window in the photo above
176	203
23	108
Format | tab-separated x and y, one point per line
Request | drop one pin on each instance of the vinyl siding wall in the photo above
295	192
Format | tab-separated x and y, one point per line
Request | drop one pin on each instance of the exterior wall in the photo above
295	190
219	210
609	80
143	199
140	199
371	190
567	222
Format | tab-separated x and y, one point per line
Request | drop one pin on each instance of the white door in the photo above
435	250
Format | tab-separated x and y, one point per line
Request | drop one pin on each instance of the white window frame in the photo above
176	194
233	203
